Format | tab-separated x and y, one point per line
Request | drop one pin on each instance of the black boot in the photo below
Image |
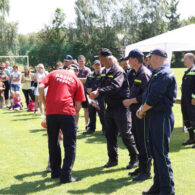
152	191
133	163
144	171
191	139
134	173
110	164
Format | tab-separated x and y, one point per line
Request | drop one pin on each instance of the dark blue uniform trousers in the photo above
67	123
160	126
119	119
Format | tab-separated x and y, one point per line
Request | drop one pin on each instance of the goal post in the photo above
27	58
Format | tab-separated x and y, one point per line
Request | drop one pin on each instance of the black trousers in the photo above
119	119
7	88
28	93
92	115
141	136
67	123
160	126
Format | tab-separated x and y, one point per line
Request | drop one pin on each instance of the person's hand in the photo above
94	94
89	90
127	102
193	102
140	114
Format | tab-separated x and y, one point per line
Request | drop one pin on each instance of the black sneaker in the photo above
132	164
193	146
134	173
89	131
68	180
110	164
189	142
142	176
152	191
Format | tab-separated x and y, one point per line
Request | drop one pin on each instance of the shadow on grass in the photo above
29	187
177	138
98	138
32	186
95	171
108	186
37	130
23	119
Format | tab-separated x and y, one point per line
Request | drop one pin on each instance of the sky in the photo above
32	18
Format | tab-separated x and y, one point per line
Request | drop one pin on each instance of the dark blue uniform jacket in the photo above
162	89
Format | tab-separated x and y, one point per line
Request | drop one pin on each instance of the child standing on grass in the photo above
2	88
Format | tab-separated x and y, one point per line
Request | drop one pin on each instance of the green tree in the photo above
4	7
52	42
96	27
8	31
172	15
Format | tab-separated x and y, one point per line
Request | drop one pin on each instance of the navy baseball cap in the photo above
159	52
135	53
68	58
96	62
121	59
105	52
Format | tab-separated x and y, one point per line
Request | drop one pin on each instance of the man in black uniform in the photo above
67	61
188	97
114	88
157	107
92	83
139	130
130	72
124	64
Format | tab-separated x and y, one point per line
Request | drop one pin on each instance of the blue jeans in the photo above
15	87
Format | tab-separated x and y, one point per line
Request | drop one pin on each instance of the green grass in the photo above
24	154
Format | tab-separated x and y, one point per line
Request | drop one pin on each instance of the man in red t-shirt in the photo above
63	101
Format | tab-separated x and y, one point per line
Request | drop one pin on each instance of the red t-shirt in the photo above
63	88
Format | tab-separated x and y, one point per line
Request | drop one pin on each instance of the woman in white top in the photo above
27	78
15	80
41	73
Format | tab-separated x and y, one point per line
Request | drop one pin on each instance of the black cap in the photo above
135	53
68	58
105	52
148	55
96	62
121	59
159	52
73	66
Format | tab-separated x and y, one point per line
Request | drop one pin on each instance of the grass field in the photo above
24	154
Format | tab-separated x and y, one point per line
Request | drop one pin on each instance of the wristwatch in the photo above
140	110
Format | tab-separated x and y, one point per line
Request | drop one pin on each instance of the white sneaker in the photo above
42	116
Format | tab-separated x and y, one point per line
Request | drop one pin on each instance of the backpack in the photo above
31	106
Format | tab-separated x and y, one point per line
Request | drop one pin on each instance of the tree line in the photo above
99	23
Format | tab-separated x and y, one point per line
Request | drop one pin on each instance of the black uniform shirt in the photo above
140	82
188	84
93	81
114	86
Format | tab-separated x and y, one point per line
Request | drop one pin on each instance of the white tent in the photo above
181	39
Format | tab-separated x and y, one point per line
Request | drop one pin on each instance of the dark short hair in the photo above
81	57
105	52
